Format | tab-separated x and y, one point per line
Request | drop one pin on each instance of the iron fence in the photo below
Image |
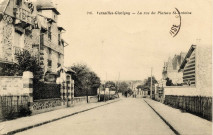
11	105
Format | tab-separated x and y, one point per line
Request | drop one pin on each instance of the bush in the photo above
24	111
9	113
43	90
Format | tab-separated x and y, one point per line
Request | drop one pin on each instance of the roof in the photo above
187	56
46	5
61	28
69	70
3	5
174	63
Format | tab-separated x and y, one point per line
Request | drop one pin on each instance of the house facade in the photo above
170	69
32	26
197	70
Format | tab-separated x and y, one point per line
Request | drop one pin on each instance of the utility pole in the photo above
118	83
151	85
105	87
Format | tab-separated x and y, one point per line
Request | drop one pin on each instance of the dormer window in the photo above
18	2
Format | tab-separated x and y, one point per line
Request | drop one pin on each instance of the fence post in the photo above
62	93
28	86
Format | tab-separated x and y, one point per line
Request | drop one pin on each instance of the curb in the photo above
167	123
49	121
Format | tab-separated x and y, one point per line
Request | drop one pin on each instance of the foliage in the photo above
86	81
147	83
25	62
24	111
110	85
43	90
8	69
169	82
129	91
122	87
140	87
9	113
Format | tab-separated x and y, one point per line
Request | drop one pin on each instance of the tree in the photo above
128	92
25	62
147	83
122	87
86	81
139	87
110	85
168	82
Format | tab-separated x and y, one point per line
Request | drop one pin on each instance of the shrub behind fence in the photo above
82	92
198	105
46	91
12	106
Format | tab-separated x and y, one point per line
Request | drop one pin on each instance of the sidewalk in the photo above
17	125
184	123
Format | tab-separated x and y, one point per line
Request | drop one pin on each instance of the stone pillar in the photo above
72	91
28	86
62	90
69	89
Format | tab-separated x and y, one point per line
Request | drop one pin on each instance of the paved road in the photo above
126	117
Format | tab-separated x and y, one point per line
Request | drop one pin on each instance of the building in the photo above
197	73
17	21
170	69
197	69
31	26
51	42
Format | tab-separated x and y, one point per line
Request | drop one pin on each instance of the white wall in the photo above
181	90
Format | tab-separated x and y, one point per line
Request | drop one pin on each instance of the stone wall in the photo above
80	100
11	85
93	99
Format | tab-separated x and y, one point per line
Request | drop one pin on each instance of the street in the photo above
126	117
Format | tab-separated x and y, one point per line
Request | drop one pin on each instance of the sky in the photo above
131	44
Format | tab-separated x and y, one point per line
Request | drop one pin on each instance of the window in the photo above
50	51
59	39
18	38
59	64
59	59
49	33
49	63
18	2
